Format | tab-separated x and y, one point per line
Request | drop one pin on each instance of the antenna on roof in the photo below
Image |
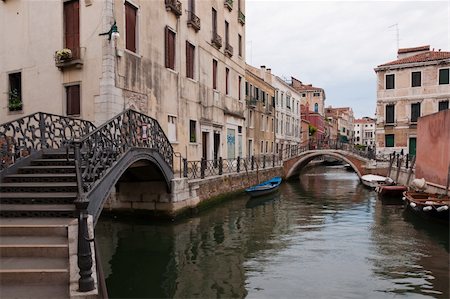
397	34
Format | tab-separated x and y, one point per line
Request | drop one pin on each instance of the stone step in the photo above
40	177
34	246
47	169
58	155
42	210
52	162
35	226
33	270
37	198
39	187
35	291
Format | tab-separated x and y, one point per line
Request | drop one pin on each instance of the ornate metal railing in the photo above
193	21
206	168
100	149
20	138
174	6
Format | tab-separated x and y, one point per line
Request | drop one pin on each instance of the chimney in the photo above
269	71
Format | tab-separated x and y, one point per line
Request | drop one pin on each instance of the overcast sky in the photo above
337	44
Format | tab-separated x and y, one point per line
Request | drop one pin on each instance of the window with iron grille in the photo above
443	105
390	81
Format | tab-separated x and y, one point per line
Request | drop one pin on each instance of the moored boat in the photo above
373	180
432	206
265	187
391	194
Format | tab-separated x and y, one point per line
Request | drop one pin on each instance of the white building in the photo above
364	130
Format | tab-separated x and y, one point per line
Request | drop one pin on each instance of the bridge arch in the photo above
294	165
142	156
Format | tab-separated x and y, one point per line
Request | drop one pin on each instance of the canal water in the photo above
322	236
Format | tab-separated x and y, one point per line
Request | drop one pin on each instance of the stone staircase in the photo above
37	208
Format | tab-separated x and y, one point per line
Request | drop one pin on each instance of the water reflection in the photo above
323	235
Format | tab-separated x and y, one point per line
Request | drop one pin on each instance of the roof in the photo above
415	49
421	57
364	121
308	87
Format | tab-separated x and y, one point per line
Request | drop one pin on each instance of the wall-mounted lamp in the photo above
113	32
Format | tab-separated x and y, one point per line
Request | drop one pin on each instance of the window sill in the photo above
193	143
15	112
174	142
132	53
171	70
192	80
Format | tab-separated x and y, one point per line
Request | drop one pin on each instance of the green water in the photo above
322	236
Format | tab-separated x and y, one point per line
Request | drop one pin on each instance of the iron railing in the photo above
100	149
205	168
26	135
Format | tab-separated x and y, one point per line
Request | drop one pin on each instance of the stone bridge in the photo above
294	165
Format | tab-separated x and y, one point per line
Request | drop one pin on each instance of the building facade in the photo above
364	129
414	85
260	120
344	119
181	62
311	96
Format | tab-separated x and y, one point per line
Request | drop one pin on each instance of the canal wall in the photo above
401	177
152	198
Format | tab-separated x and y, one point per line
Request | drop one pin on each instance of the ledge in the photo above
76	63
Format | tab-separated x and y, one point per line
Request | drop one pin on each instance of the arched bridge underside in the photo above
137	164
293	166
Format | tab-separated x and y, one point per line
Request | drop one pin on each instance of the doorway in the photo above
205	137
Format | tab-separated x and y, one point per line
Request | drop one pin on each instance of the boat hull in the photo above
429	206
264	188
391	194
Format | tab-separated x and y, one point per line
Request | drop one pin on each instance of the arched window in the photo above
316	107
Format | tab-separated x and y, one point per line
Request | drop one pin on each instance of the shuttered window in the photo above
415	112
73	99
170	49
443	76
416	79
214	22
390	115
72	27
214	74
389	140
443	105
227	81
130	26
190	55
390	81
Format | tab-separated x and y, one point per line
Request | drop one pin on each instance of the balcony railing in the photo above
229	4
251	101
241	17
216	40
193	21
228	50
174	6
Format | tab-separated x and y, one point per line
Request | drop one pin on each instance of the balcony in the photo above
251	102
229	4
66	58
216	40
174	6
193	21
228	50
241	17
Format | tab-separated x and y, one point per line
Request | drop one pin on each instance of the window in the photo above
390	114
170	48
443	105
190	59
214	74
262	122
267	147
172	128
239	87
191	5
130	26
240	44
72	27
227	31
303	95
316	94
246	88
257	93
15	102
250	119
316	107
192	131
415	112
416	79
261	149
443	76
389	140
390	81
214	22
227	81
73	100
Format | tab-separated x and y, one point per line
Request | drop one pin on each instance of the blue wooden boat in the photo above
265	187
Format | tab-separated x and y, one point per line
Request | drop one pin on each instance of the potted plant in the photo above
63	55
14	102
